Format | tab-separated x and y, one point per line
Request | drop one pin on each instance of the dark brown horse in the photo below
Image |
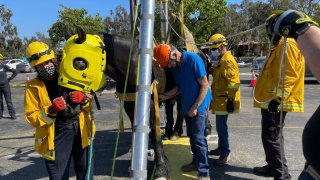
117	50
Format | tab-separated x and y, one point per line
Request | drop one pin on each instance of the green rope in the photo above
153	171
90	148
124	94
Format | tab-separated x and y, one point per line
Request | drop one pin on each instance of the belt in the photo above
67	125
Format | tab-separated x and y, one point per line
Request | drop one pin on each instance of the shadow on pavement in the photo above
25	163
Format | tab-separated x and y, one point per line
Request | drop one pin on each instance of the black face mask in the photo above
276	40
48	72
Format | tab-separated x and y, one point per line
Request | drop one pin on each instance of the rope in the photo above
281	73
90	148
283	59
246	31
207	43
124	93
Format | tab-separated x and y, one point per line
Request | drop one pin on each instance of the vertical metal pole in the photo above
142	110
164	21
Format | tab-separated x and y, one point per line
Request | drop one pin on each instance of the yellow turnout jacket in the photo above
269	83
36	104
226	83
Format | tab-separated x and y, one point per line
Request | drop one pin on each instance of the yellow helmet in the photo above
217	40
1	56
83	64
38	52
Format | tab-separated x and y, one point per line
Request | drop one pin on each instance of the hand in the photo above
289	23
58	104
161	97
273	105
76	96
193	110
230	105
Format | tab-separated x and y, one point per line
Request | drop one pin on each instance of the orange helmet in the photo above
162	54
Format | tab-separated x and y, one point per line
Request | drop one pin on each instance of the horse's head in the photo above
83	62
118	52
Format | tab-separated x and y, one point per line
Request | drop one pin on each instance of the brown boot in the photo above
188	168
222	160
214	152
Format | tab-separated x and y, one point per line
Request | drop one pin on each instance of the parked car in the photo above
247	59
243	64
257	65
258	62
24	67
12	63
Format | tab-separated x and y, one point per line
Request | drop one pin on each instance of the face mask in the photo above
215	53
48	72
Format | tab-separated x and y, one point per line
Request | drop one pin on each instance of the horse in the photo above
117	50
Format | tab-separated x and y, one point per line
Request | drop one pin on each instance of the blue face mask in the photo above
215	53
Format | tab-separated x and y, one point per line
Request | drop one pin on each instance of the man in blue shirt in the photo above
189	72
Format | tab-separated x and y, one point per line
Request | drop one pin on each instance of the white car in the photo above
12	63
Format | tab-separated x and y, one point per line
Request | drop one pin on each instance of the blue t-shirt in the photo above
186	76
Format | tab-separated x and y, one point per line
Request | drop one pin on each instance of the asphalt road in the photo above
19	161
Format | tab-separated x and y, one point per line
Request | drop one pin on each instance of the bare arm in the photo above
204	85
309	44
170	94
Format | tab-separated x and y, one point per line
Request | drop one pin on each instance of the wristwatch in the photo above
196	105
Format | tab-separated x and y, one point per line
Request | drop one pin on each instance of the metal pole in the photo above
164	21
142	110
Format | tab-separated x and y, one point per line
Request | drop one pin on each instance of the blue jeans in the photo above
305	176
196	131
223	135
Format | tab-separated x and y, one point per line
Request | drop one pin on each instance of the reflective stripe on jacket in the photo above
269	86
36	104
226	83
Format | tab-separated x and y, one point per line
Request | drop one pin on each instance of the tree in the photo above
202	18
119	22
71	18
10	44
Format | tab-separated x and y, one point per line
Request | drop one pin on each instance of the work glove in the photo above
230	105
274	105
58	104
76	96
289	23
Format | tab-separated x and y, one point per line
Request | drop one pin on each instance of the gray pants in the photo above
6	92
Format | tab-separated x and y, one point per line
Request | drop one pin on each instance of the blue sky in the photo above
33	16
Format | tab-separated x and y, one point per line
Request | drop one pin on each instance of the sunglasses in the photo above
38	55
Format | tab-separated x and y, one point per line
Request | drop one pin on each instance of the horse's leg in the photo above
179	122
129	108
160	158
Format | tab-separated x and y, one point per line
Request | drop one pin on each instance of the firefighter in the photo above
305	31
226	94
5	88
268	97
60	115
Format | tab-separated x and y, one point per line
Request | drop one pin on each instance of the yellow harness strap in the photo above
156	108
